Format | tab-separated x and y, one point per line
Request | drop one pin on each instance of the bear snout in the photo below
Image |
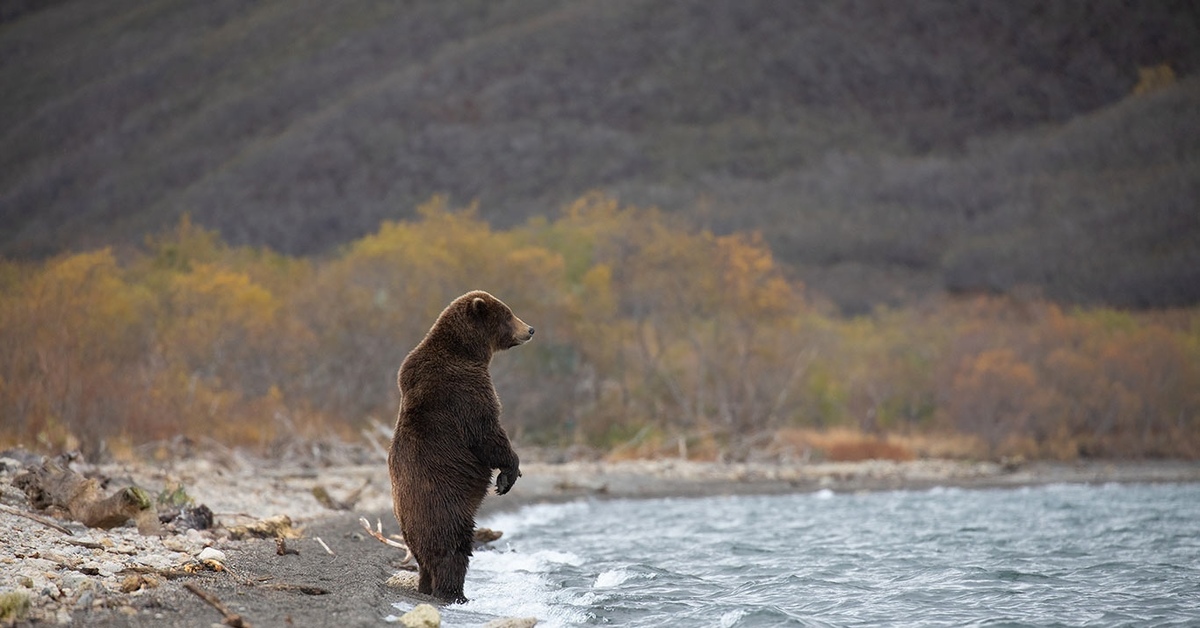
522	337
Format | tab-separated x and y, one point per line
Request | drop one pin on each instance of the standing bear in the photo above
448	437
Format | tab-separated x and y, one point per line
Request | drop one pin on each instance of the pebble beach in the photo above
69	574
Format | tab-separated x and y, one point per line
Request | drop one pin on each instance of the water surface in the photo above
1066	555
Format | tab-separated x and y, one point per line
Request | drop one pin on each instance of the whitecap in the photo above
535	562
611	578
731	618
538	515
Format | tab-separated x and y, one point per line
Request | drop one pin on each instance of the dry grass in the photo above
851	445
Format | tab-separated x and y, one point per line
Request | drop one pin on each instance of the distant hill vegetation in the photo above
884	149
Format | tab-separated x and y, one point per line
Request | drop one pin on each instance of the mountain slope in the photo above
886	149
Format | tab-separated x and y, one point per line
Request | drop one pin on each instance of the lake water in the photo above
1067	555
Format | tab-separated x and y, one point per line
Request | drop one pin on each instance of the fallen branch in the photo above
228	617
327	550
378	534
32	517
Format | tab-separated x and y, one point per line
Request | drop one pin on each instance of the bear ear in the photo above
478	305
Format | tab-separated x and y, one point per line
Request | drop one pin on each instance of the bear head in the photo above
478	320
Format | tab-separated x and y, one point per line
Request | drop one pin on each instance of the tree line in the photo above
653	336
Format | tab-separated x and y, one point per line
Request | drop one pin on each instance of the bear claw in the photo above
505	481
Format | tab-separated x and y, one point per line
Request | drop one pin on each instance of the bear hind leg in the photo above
449	576
424	580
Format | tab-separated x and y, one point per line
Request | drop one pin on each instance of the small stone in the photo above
52	591
135	582
40	564
196	536
72	580
91	568
210	553
175	544
423	616
155	561
62	559
109	568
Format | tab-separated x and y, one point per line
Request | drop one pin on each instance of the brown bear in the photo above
448	437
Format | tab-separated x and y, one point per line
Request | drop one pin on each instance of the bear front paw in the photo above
506	479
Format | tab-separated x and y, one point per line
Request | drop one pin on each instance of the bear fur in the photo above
448	437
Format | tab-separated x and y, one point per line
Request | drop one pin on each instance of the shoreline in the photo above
114	577
685	479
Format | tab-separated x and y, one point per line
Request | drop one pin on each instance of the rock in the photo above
210	553
512	622
190	519
423	616
403	580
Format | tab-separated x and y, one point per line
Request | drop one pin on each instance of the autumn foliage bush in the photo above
653	339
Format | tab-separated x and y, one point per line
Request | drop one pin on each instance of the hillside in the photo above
885	150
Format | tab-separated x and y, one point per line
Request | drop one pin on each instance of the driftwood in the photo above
279	526
483	536
229	618
281	548
54	487
32	517
325	499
